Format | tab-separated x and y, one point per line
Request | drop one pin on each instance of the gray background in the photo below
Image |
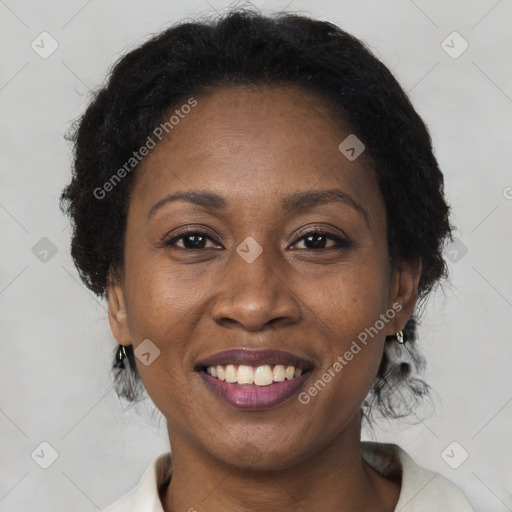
55	339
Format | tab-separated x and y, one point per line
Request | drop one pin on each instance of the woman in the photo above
259	203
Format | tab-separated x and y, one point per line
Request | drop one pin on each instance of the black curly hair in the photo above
243	47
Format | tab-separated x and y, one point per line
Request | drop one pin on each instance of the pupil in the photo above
317	244
196	238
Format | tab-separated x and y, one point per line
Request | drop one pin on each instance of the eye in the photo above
192	240
317	239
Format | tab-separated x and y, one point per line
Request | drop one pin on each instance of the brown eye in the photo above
192	240
317	240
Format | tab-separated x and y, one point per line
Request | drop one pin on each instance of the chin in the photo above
267	455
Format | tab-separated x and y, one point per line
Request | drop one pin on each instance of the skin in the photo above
254	146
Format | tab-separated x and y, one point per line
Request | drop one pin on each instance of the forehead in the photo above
254	143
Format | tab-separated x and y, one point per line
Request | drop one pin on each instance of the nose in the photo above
255	295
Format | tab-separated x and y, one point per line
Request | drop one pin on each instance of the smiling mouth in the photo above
262	375
254	379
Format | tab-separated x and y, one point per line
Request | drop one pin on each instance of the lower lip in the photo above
252	396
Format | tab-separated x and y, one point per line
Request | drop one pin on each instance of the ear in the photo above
403	293
117	313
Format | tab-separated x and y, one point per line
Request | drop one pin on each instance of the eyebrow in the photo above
297	202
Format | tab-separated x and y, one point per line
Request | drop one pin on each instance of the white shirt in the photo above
421	490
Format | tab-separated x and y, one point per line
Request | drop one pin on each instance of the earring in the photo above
400	337
120	356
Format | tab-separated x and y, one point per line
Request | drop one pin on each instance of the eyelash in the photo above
341	243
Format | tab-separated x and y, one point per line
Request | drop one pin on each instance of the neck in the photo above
334	478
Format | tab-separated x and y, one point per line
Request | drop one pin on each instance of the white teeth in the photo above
245	374
230	373
263	375
279	373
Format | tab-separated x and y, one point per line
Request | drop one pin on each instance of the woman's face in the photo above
257	277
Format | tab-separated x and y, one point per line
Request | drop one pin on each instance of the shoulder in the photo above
422	490
144	497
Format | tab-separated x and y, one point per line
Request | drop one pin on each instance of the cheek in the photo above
159	310
349	308
160	298
349	299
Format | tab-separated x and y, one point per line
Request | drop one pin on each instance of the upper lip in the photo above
251	357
